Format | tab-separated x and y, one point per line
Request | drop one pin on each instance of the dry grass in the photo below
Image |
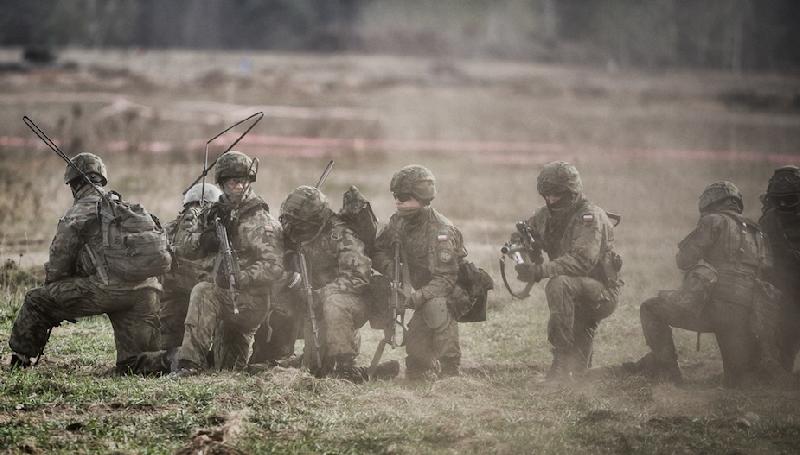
69	403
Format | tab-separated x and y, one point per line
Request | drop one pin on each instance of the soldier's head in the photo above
783	190
234	173
722	195
559	183
304	212
201	194
413	187
91	165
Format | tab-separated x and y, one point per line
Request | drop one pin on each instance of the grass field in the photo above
646	145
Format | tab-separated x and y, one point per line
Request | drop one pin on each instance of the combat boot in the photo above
19	361
184	368
418	371
654	368
386	370
346	369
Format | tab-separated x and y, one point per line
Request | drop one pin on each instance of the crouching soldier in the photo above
431	250
338	275
185	273
90	272
583	284
249	247
724	258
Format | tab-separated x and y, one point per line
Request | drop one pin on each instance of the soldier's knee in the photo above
649	308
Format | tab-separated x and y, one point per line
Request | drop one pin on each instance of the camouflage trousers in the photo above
339	318
789	330
745	335
577	305
210	321
174	305
432	337
276	337
133	315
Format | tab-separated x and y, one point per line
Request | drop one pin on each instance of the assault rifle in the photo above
397	302
228	262
301	259
523	247
305	277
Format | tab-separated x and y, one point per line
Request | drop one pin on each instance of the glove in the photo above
414	300
295	281
531	273
209	241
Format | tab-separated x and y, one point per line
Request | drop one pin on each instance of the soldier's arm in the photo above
448	252
64	250
262	238
354	265
584	250
384	253
695	246
186	236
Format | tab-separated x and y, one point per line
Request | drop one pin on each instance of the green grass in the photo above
72	403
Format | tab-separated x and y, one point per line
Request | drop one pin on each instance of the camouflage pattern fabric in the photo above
743	322
256	237
72	289
185	273
340	270
433	248
576	240
277	335
783	231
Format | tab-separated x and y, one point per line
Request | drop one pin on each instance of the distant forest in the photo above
734	35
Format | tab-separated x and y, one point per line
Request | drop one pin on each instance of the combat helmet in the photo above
88	163
415	180
304	211
197	193
719	191
559	177
783	190
235	164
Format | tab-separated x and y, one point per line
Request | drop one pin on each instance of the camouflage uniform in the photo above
733	302
72	288
256	239
432	249
781	224
583	285
185	273
339	272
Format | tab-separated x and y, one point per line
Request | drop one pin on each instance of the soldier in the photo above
431	250
781	224
583	284
339	273
185	273
76	284
256	238
724	258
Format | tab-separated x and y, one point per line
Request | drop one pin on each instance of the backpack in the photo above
134	244
469	297
357	213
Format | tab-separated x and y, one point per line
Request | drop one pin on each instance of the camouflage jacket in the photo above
783	234
336	261
725	240
78	245
431	246
256	239
575	241
185	230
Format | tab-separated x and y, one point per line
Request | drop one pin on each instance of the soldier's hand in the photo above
223	279
295	281
209	241
531	273
414	300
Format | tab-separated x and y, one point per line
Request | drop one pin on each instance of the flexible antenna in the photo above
49	142
325	174
258	116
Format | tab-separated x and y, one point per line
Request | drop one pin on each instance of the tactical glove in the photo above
530	273
223	279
